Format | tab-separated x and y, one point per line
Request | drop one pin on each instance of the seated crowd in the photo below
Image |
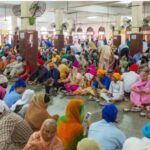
112	78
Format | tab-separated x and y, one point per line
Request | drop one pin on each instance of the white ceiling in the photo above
104	11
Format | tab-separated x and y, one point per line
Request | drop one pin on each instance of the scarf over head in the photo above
26	98
109	113
37	111
70	129
88	144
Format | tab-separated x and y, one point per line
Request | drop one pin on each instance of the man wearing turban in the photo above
105	132
40	73
129	78
116	90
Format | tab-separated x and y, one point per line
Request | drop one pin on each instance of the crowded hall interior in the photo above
74	75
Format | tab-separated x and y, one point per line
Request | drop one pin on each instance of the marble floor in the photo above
130	123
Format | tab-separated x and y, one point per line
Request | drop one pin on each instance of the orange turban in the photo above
100	71
117	76
54	54
51	64
63	75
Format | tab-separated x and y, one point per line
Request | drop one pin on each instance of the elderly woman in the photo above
116	91
70	129
22	104
46	138
105	132
14	68
105	56
37	113
140	92
3	86
88	144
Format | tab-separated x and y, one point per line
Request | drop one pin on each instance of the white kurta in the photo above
117	91
129	78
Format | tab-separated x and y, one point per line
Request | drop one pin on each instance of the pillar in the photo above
70	30
117	36
15	33
28	36
137	18
59	38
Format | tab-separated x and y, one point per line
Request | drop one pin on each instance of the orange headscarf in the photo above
70	129
117	76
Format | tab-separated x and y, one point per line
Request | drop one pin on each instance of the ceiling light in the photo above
92	17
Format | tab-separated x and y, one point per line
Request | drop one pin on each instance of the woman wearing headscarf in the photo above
88	144
22	104
116	91
3	86
140	92
70	129
105	132
74	78
105	56
15	92
46	138
37	113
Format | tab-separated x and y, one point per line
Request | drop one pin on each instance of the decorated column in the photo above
59	38
117	36
28	35
137	19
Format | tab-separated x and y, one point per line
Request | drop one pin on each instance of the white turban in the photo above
3	79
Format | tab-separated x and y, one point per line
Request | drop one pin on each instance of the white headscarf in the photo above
26	97
3	79
3	106
134	143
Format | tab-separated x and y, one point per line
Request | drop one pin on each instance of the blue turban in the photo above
109	113
146	130
19	83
